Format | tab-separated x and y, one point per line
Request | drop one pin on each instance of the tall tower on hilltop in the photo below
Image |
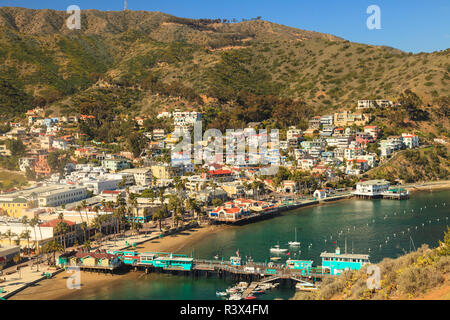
125	6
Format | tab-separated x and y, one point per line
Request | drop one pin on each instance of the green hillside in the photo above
254	70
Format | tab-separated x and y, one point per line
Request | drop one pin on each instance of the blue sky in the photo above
409	25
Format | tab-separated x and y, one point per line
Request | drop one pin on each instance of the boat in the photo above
294	243
250	298
305	287
260	291
221	294
275	258
232	290
235	297
277	249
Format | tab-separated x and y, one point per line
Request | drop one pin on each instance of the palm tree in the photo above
62	228
87	245
25	222
39	226
160	214
53	247
176	206
84	206
78	209
26	234
33	223
9	234
161	191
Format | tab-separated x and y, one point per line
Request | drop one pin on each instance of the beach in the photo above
429	186
56	288
177	242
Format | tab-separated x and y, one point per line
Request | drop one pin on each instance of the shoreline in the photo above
55	289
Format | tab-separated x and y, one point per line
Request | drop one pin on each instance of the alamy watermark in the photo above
74	280
374	280
373	21
73	22
243	147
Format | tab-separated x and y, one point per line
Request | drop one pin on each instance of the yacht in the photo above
277	249
294	243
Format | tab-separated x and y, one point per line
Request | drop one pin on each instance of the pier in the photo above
262	215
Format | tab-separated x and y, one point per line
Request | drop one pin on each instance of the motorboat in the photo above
277	249
235	297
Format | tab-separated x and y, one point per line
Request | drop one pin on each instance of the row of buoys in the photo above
386	216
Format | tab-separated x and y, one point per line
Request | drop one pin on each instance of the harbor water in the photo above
380	228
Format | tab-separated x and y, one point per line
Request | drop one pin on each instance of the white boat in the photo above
294	243
277	249
305	287
221	294
232	290
235	297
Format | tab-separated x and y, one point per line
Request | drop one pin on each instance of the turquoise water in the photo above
380	228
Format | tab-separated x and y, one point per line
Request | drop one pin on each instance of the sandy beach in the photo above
430	186
177	242
56	288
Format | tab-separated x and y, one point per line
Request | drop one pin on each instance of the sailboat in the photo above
277	249
294	243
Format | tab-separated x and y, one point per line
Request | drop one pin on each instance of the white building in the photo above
61	196
25	163
142	176
186	118
372	188
327	120
410	140
97	186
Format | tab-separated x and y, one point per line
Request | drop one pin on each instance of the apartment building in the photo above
61	196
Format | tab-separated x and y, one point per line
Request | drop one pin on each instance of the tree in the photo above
9	234
16	147
160	214
136	143
53	247
26	234
410	102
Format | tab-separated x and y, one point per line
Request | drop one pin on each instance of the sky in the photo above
409	25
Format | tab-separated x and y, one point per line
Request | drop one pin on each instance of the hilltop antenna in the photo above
125	6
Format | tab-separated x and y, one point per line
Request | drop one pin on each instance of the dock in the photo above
262	215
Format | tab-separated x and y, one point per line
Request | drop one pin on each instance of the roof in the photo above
111	192
53	223
220	172
95	255
344	255
374	182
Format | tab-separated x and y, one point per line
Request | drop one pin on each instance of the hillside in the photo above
425	164
423	274
153	60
